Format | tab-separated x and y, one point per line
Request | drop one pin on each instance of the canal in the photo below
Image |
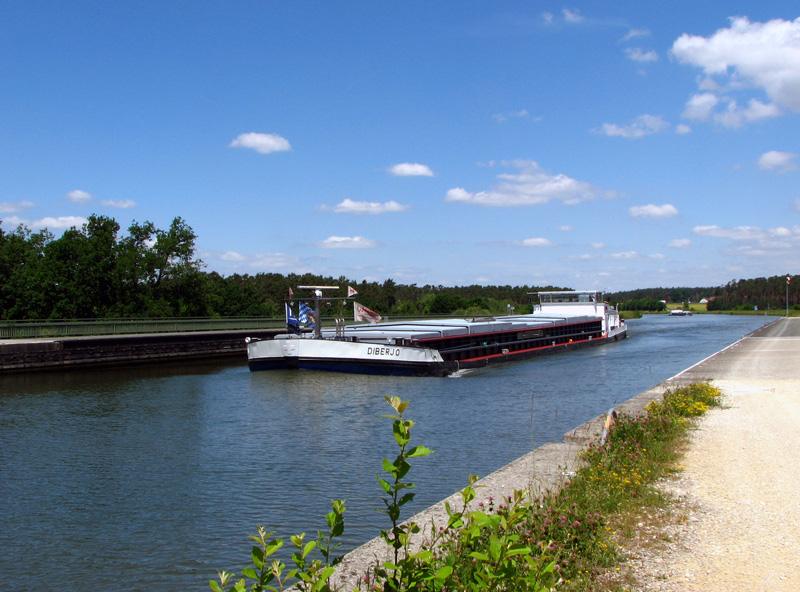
151	478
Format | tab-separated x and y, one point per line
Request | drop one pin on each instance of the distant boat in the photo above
562	320
677	312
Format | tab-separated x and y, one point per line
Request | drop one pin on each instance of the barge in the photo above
561	321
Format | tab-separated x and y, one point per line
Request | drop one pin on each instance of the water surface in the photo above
152	478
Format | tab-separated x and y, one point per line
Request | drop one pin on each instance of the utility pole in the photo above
788	281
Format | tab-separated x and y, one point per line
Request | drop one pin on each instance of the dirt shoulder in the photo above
736	520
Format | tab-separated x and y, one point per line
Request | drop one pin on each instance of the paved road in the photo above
770	353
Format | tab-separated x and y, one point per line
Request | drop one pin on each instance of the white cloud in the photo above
565	228
277	261
746	233
261	143
755	242
232	261
654	211
745	57
597	245
780	231
122	203
700	106
708	84
625	255
347	242
633	33
735	116
740	233
60	223
547	17
680	243
410	169
534	242
572	16
348	206
532	185
14	208
644	125
14	221
521	114
682	129
78	196
639	55
777	161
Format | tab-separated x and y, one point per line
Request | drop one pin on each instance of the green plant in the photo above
501	553
309	574
500	557
405	567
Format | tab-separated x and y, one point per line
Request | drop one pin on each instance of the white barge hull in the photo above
346	356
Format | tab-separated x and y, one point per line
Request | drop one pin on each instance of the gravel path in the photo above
736	524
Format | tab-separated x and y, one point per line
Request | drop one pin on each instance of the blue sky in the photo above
595	145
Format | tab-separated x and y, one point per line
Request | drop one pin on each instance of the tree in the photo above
98	264
135	270
174	251
21	262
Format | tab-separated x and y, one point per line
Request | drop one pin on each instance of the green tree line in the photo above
97	272
670	295
764	293
643	304
92	272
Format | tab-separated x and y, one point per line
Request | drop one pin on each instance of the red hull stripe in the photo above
532	349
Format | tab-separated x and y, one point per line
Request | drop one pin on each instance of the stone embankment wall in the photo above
79	352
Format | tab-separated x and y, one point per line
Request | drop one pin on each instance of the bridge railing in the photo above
93	327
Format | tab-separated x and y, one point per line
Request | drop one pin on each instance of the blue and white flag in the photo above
292	324
306	315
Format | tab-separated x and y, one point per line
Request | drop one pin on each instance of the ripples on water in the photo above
152	478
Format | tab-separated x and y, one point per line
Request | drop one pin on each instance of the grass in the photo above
703	309
693	306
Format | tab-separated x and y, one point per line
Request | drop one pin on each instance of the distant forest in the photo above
94	272
763	293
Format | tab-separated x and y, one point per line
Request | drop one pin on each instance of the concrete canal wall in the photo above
548	467
26	355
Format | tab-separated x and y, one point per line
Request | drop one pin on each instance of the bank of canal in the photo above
67	353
